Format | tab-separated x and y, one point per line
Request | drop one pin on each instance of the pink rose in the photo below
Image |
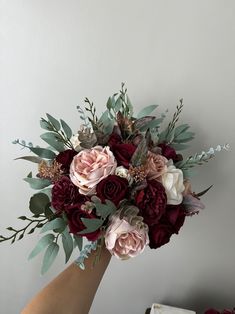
125	240
156	165
90	166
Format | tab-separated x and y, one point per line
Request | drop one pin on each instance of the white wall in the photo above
53	54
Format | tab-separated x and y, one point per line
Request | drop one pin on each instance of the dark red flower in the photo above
152	202
123	153
170	223
175	216
169	152
159	235
113	188
65	193
211	311
114	139
74	215
65	158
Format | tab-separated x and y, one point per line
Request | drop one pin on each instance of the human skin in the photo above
72	291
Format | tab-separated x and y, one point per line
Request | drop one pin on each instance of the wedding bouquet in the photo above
119	182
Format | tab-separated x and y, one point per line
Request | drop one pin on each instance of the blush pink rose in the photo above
90	166
156	165
124	240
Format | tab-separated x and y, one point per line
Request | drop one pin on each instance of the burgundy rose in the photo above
65	193
65	158
159	235
74	215
114	139
175	216
113	188
211	311
152	202
123	153
169	152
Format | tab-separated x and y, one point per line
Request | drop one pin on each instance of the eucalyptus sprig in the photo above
37	221
83	116
85	253
61	130
90	107
199	159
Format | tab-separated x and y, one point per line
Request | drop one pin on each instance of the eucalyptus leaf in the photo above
178	146
78	241
118	104
47	191
53	224
67	242
38	203
104	210
49	257
151	124
52	139
43	152
140	123
34	159
41	245
183	136
140	154
181	129
67	130
91	225
36	183
130	106
54	122
146	111
45	125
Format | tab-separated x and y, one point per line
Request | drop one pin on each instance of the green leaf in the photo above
47	191
78	241
140	154
181	129
43	152
179	146
37	184
118	104
41	245
151	124
34	159
91	225
109	104
104	210
130	106
52	139
48	212
67	130
49	257
38	203
53	224
54	122
184	136
146	111
67	242
45	125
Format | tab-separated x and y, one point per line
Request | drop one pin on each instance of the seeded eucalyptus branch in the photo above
91	108
199	159
175	119
37	221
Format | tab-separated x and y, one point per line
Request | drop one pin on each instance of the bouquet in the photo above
119	182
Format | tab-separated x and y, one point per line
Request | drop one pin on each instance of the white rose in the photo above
173	182
75	142
123	172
